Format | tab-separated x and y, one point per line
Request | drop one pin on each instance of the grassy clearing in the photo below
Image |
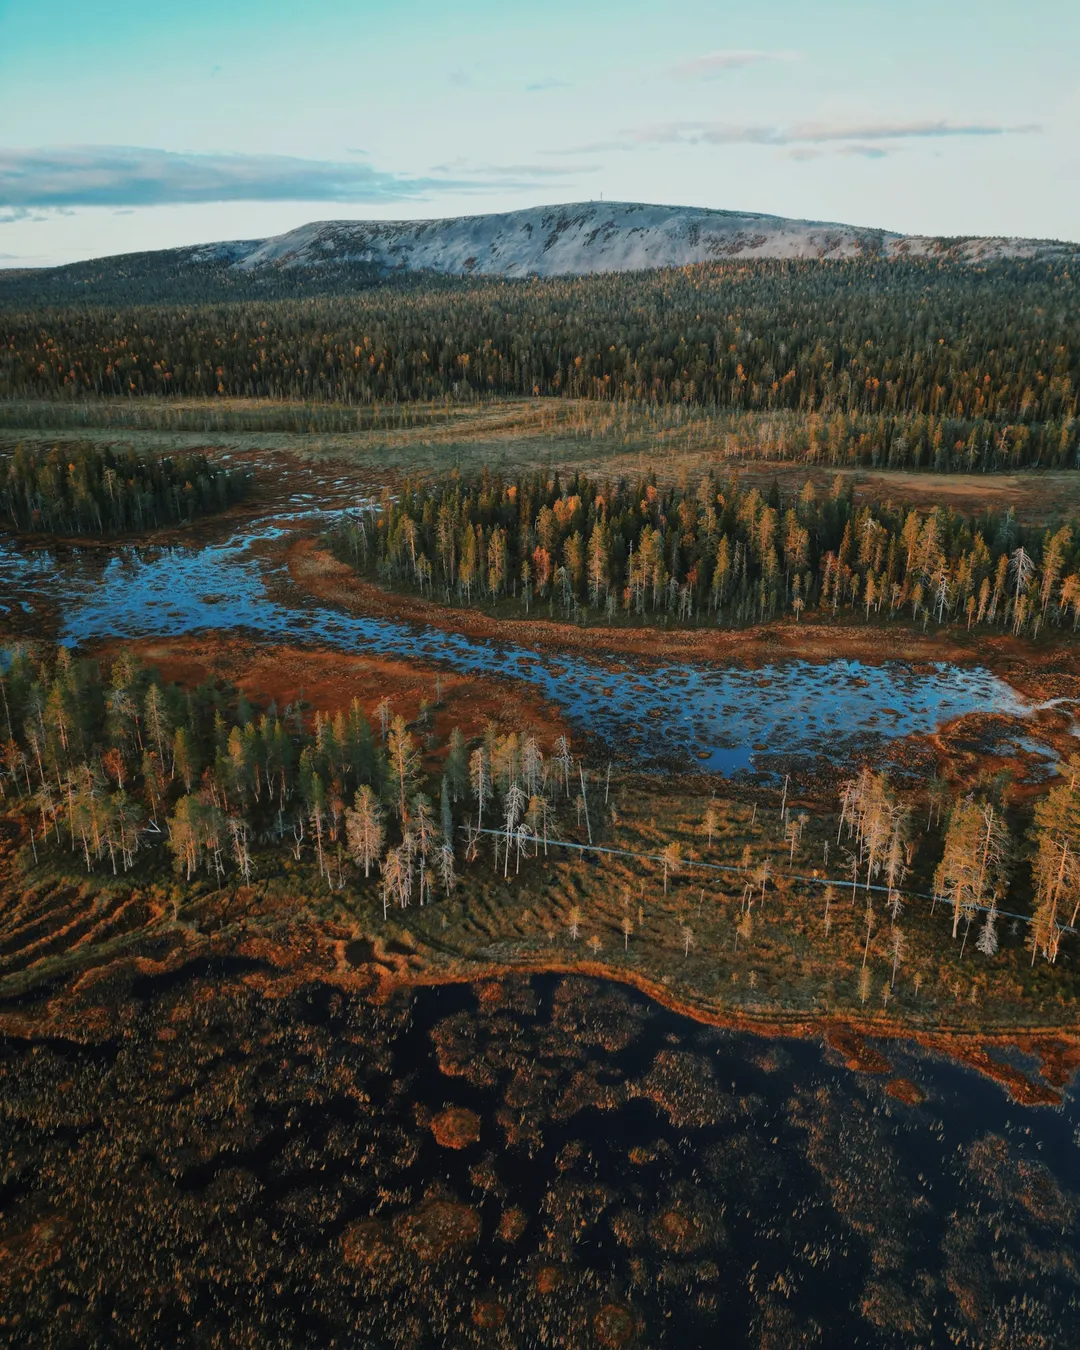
511	435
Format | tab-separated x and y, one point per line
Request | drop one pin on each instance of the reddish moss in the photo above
489	1314
613	1325
904	1090
438	1229
456	1127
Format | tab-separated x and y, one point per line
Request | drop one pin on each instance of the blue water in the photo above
714	717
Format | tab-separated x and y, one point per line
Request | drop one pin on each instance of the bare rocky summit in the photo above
589	237
585	238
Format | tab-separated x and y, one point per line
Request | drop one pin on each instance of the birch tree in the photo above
424	838
480	778
672	861
973	866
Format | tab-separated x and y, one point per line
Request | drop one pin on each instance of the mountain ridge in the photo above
574	239
584	237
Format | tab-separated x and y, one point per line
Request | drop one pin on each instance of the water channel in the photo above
721	718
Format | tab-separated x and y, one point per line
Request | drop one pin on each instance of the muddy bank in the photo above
276	953
1046	670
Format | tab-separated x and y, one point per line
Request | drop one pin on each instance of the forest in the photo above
721	553
84	489
901	364
117	771
110	766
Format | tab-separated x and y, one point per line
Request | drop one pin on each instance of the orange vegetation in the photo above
456	1127
328	680
1039	671
613	1325
904	1090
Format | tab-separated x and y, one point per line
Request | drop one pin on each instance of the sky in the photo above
128	128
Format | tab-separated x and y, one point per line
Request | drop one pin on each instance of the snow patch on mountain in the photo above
592	237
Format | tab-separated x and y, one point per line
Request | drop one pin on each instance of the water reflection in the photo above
545	1162
719	718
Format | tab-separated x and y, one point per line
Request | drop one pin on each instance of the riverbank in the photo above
809	962
1034	1061
1044	670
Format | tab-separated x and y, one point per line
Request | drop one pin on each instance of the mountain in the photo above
602	237
586	237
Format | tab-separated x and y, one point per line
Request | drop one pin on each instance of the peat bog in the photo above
653	1069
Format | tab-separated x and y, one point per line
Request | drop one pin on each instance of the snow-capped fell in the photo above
599	237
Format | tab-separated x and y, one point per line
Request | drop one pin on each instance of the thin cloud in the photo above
811	133
506	173
542	85
800	153
714	64
122	176
867	151
591	148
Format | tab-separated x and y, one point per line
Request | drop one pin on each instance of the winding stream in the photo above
720	718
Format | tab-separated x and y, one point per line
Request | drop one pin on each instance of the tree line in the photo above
722	552
939	365
84	489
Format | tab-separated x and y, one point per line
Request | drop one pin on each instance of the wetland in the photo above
654	1072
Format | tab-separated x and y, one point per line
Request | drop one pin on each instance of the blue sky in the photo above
126	128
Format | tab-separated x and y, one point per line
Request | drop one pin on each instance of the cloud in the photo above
541	85
504	174
871	139
76	176
867	151
801	153
591	148
795	134
714	64
810	133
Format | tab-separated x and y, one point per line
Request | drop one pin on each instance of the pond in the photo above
720	718
554	1161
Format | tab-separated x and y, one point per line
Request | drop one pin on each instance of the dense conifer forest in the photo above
719	552
87	490
904	364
